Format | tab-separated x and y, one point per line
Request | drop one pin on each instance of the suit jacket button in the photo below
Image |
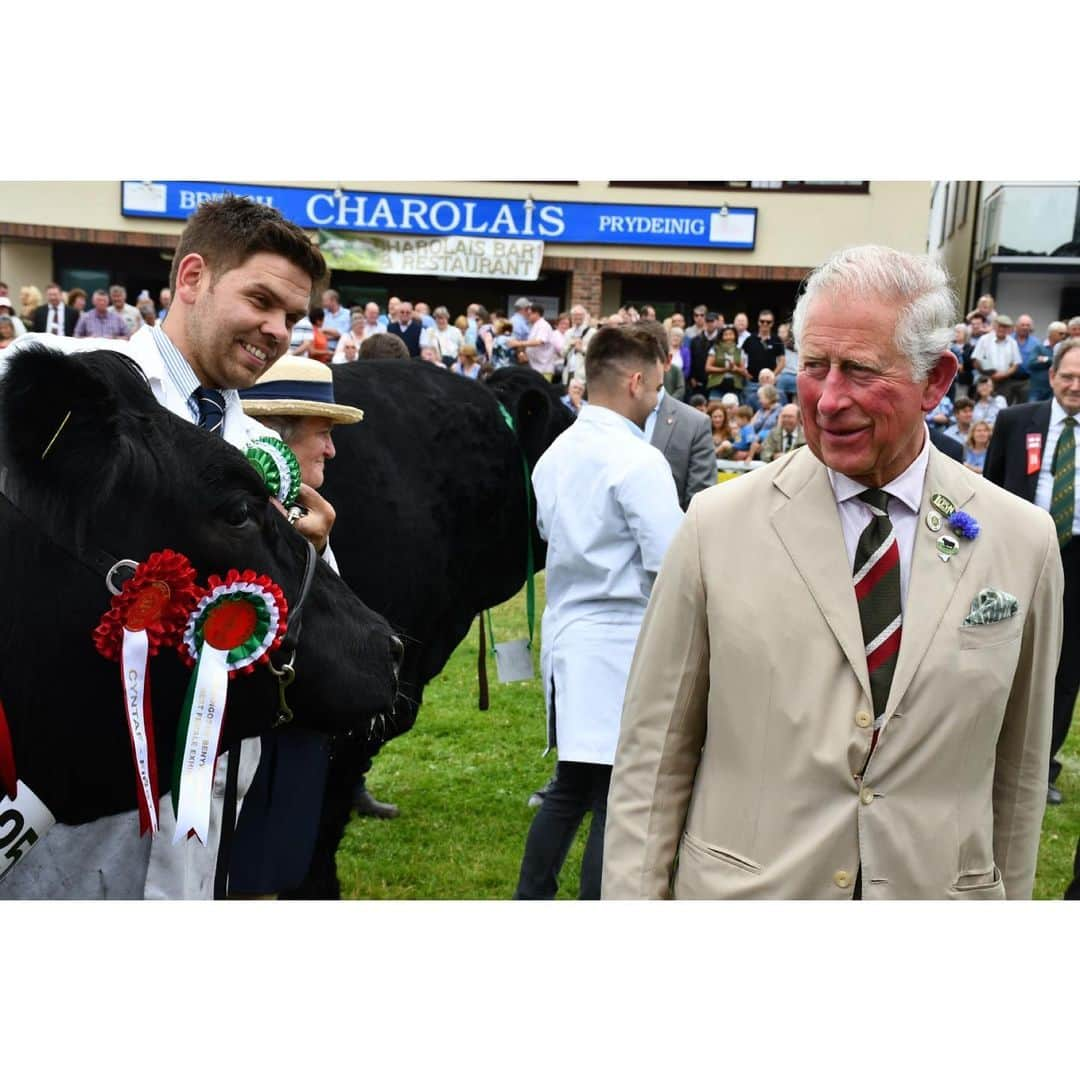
863	719
866	796
841	879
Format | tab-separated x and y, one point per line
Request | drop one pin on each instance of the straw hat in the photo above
297	386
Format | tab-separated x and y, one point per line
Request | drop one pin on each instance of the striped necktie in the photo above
211	409
877	590
1063	495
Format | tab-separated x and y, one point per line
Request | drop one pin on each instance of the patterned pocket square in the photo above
990	606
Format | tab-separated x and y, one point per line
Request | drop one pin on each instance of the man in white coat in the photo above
607	507
242	276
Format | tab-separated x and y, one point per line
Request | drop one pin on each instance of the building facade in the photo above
1018	242
731	245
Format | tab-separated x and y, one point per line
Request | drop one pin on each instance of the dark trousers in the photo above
576	789
1067	681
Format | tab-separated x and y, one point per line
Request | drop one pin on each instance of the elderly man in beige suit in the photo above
888	738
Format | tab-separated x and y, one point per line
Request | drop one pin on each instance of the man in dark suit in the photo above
1032	453
684	436
54	316
946	444
407	328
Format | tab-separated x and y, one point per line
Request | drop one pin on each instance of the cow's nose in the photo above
397	654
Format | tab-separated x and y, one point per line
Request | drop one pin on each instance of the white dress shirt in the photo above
905	498
650	420
993	355
54	323
1044	488
607	507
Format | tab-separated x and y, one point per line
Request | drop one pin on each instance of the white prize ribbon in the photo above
22	824
200	749
133	658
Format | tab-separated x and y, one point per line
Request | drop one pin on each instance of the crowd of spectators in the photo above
745	380
1002	362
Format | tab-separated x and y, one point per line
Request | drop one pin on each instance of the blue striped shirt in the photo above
182	377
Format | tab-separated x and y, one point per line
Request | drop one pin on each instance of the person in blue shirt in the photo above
1039	367
1030	348
975	447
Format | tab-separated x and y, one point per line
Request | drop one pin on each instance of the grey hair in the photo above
918	284
1061	348
440	311
288	427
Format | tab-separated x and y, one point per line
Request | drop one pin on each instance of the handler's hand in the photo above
316	524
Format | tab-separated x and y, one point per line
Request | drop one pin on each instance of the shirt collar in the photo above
907	487
659	400
1057	413
601	414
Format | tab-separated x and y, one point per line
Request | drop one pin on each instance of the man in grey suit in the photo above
682	434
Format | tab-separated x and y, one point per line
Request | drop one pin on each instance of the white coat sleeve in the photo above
650	503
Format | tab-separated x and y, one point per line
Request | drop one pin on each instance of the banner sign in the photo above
628	224
457	256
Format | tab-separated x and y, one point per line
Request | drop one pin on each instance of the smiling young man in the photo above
887	738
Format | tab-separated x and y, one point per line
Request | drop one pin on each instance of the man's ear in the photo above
939	379
190	274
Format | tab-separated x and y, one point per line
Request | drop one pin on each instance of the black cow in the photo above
432	519
125	476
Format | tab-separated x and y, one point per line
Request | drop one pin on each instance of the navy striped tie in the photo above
211	405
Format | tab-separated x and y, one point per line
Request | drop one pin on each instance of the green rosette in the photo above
277	465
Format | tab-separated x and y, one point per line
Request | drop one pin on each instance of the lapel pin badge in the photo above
947	547
940	503
933	521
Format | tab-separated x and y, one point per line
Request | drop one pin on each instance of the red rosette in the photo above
237	583
157	598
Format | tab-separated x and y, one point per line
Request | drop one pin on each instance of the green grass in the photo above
462	779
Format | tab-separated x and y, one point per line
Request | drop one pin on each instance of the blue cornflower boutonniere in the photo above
964	525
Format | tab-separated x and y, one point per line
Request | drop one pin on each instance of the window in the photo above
962	200
950	205
814	187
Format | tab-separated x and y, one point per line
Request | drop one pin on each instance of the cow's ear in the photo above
60	417
532	413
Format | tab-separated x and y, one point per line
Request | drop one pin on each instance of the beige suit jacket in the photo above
738	768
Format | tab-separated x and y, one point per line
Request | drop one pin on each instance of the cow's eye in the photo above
236	514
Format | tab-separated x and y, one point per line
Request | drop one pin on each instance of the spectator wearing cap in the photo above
764	352
8	308
697	382
279	820
539	347
997	356
519	320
